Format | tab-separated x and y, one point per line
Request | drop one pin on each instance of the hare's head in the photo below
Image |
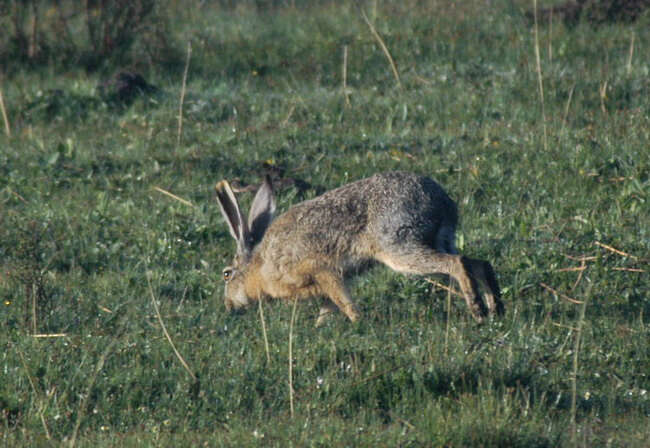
246	233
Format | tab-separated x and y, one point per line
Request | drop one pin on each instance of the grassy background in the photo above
83	233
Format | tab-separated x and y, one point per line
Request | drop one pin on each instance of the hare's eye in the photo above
227	274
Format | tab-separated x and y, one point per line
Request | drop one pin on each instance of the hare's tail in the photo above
445	239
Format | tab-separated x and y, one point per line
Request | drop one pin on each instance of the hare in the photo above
403	220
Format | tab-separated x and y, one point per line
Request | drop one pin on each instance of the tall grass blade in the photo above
540	82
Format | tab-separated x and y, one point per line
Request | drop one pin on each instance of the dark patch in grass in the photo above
11	413
442	381
124	87
59	105
489	437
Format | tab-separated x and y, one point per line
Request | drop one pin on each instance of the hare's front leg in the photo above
333	287
328	307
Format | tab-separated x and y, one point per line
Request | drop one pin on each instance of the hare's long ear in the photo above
262	209
232	214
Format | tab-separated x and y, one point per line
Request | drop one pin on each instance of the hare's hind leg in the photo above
332	286
482	271
423	261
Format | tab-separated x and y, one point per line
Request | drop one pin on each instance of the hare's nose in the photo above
228	304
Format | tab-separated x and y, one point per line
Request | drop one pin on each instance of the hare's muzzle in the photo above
235	298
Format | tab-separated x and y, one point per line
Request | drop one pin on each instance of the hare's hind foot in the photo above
482	271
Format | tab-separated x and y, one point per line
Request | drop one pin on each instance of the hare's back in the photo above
410	210
330	223
389	210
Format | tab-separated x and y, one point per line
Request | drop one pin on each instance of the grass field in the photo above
555	194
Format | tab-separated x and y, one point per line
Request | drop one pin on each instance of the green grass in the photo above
81	228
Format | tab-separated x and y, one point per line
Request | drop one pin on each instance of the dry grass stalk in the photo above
49	335
173	196
583	265
182	99
628	66
566	109
346	94
266	339
575	268
383	48
33	35
446	288
34	325
285	122
574	374
164	329
602	92
104	309
540	82
569	327
550	36
20	198
629	269
406	423
293	319
448	321
582	258
614	250
5	118
559	294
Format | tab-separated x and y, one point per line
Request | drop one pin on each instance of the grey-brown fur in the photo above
401	219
